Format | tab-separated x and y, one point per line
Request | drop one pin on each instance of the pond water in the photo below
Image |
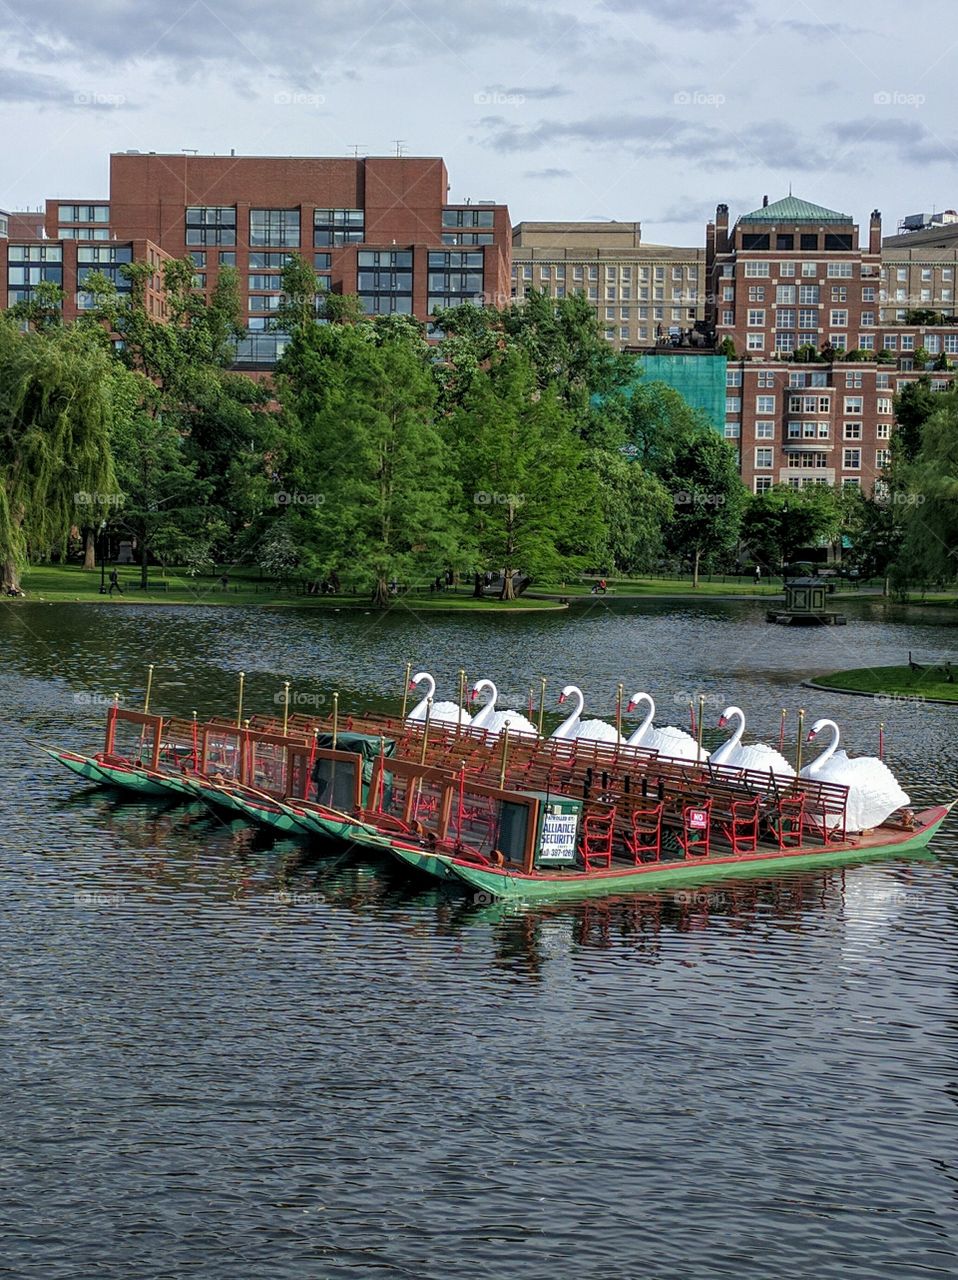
231	1056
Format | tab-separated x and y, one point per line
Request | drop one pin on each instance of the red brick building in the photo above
793	275
380	227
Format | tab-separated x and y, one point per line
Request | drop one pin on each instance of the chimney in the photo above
874	232
764	202
721	228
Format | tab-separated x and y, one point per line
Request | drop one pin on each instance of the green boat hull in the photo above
429	864
497	884
270	813
83	766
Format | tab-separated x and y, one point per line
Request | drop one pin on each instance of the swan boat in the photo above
553	819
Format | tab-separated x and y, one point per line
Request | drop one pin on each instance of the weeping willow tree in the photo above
56	411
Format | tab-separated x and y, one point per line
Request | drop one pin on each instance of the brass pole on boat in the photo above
462	699
425	731
618	709
149	686
701	725
542	702
781	731
239	705
405	690
285	706
335	719
801	730
505	756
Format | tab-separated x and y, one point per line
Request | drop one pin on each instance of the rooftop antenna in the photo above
400	147
354	148
190	151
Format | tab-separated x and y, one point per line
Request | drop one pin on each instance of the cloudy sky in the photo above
632	109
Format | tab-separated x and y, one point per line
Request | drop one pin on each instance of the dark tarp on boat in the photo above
335	780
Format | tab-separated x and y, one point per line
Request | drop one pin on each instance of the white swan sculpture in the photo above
873	790
445	711
668	741
575	727
755	756
493	721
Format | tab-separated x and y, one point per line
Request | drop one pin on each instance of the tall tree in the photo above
929	485
778	524
533	500
56	408
371	493
708	498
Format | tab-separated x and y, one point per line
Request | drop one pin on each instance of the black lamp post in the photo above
102	561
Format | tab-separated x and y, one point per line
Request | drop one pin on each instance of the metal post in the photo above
239	705
425	731
701	721
285	706
335	719
405	690
149	686
801	730
462	700
505	756
542	702
781	732
618	709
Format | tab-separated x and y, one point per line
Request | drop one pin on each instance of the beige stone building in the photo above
919	268
638	290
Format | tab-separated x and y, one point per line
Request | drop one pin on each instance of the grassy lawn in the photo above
69	583
624	587
894	682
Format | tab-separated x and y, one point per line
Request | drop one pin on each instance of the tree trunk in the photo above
381	593
508	590
477	587
695	567
89	549
11	577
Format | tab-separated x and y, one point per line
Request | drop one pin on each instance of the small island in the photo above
915	681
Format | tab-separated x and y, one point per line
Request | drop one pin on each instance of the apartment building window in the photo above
808	240
593	293
658	294
345	226
882	381
853	404
925	295
107	260
211	224
467	217
933	344
83	212
756	319
576	273
28	265
610	293
808	295
785	340
841	270
264	301
455	279
766	378
796	379
756	293
83	233
727	269
755	342
786	268
733	377
868	318
839	341
764	404
626	293
764	457
807	318
384	281
853	379
756	269
660	273
732	430
808	460
951	343
593	273
785	318
764	430
851	459
852	431
904	363
278	227
728	293
883	429
733	405
868	295
728	317
785	295
882	459
851	482
890	342
839	293
866	341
